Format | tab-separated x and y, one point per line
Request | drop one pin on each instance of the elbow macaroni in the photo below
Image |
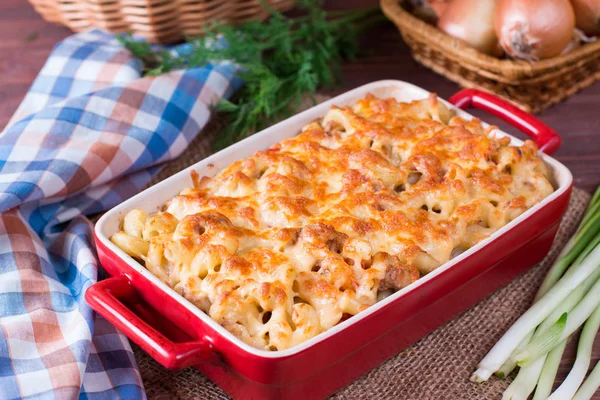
284	245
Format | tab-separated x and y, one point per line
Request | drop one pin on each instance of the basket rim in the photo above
513	71
158	21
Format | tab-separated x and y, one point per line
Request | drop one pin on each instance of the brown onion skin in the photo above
587	16
534	29
472	21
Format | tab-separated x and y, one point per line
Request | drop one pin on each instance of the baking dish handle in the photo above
545	137
106	296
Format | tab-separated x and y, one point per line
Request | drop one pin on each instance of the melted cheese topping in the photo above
284	245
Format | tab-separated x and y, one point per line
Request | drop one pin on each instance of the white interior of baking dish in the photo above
151	199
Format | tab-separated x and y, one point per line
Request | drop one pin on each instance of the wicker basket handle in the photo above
545	137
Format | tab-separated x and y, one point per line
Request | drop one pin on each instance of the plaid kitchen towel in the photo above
88	135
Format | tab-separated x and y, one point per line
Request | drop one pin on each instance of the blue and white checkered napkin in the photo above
88	135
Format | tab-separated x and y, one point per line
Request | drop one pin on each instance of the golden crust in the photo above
285	244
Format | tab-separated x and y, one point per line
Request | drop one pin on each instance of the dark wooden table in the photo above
26	40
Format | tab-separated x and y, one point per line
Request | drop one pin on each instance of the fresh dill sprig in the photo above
282	60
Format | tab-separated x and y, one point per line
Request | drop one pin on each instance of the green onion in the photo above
555	272
535	315
590	385
577	317
511	363
584	351
568	298
568	281
525	382
588	229
546	381
542	344
566	306
528	376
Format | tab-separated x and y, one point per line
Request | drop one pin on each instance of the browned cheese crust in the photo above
285	244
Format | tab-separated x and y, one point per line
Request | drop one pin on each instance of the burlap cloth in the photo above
436	367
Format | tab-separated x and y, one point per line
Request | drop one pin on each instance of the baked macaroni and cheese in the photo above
285	244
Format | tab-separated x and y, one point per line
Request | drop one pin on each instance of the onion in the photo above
534	29
587	15
428	10
472	21
439	6
574	43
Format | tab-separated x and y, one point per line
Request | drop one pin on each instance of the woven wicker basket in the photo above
159	21
531	86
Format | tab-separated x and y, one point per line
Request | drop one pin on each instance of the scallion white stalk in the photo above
571	301
546	381
576	318
543	343
566	306
535	315
590	385
525	382
510	364
569	387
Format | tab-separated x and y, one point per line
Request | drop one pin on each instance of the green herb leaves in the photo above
281	59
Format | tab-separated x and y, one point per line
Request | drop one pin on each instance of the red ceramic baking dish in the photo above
178	335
